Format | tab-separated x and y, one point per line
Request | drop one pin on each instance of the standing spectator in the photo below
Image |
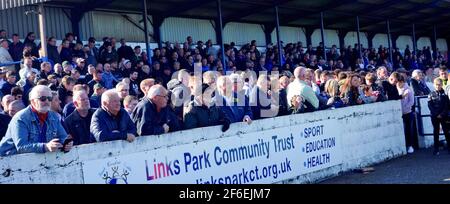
145	86
377	90
443	75
261	99
65	52
438	103
234	103
108	78
52	51
35	129
125	51
111	122
93	55
78	122
152	116
300	87
382	81
284	83
29	42
5	57
202	113
407	102
16	49
129	103
109	54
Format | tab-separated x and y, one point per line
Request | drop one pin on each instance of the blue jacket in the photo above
103	125
23	133
149	122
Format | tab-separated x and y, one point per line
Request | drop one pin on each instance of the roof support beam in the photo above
257	8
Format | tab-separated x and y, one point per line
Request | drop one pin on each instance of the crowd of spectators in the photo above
85	94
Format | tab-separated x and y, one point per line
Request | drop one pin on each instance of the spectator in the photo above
65	52
14	107
16	49
81	67
65	90
134	83
152	116
438	103
261	99
407	102
70	107
29	84
300	87
27	67
202	113
233	102
129	103
78	122
5	57
109	79
46	69
111	122
179	93
145	86
443	75
377	90
382	81
6	100
29	42
332	93
17	92
35	129
418	84
52	51
109	54
10	83
123	89
351	92
283	108
93	54
97	79
125	51
5	119
97	95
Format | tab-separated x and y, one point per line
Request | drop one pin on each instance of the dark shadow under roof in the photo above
340	15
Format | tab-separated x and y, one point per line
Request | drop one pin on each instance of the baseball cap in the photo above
98	86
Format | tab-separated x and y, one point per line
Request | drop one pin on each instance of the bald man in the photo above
300	88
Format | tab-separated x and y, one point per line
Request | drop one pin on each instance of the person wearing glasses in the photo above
35	129
152	116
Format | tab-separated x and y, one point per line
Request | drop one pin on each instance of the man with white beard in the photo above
35	129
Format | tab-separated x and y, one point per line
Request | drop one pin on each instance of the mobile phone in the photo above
66	142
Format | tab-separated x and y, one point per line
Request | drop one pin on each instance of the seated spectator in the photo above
96	97
152	116
29	84
15	107
54	106
129	103
300	87
78	122
27	67
5	119
233	101
201	112
438	103
10	83
35	129
111	122
46	69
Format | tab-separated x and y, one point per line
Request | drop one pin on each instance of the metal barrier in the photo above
42	59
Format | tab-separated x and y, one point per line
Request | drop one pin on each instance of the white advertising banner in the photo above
254	158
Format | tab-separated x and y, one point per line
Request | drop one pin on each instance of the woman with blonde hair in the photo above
332	92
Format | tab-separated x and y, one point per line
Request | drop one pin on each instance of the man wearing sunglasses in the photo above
35	129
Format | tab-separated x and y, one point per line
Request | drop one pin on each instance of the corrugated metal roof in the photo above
7	4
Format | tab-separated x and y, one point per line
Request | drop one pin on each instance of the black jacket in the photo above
4	122
149	122
438	103
201	116
419	88
390	90
78	127
53	54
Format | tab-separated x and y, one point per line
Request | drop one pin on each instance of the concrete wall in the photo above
369	134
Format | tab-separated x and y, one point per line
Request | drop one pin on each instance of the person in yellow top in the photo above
443	75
